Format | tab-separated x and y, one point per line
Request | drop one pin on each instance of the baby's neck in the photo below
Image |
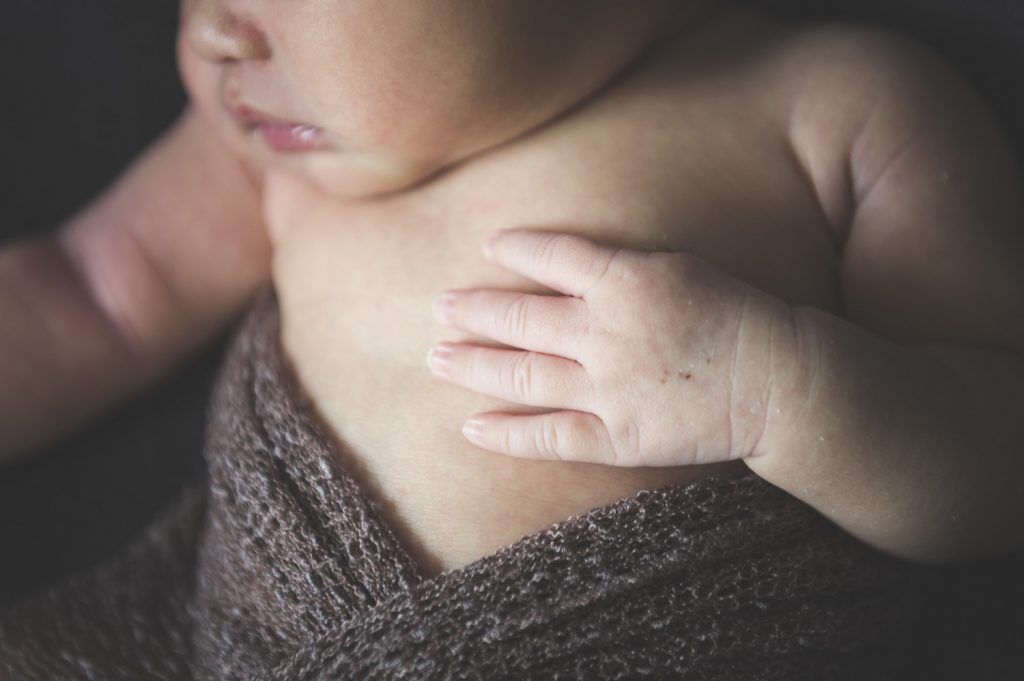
690	19
675	23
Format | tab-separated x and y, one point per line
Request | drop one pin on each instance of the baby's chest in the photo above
740	204
360	336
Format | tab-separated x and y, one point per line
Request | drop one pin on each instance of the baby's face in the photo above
369	96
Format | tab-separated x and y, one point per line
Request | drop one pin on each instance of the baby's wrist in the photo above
793	356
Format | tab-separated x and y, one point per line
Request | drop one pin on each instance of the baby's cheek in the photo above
200	81
190	68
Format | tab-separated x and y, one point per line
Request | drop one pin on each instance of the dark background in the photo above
86	84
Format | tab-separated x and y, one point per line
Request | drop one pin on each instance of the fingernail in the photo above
473	430
443	305
439	358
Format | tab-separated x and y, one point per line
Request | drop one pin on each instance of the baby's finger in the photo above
554	325
559	436
564	262
528	378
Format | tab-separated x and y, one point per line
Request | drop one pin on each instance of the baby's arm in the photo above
151	269
914	442
904	426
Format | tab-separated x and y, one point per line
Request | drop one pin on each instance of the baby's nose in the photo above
217	34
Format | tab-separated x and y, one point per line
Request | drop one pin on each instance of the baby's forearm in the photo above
916	450
150	270
60	357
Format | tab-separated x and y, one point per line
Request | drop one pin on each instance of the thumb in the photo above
287	198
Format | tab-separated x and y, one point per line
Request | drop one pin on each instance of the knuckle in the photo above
547	439
515	316
649	271
503	438
521	377
550	247
616	267
625	443
580	436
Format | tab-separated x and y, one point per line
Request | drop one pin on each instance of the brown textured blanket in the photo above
281	569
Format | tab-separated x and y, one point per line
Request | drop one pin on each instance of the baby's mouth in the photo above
286	137
280	135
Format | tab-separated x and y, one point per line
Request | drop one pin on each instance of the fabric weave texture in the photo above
281	568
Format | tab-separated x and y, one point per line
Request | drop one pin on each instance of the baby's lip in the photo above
252	117
280	134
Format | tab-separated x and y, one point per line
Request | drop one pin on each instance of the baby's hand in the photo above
650	359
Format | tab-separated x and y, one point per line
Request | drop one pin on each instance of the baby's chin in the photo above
343	174
352	176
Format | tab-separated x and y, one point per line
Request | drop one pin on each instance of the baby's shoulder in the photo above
835	74
853	95
860	67
854	49
864	74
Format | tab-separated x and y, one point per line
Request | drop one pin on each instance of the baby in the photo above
795	248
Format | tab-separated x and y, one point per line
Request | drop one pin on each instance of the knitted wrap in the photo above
282	569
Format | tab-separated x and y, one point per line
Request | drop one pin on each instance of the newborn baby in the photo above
814	195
